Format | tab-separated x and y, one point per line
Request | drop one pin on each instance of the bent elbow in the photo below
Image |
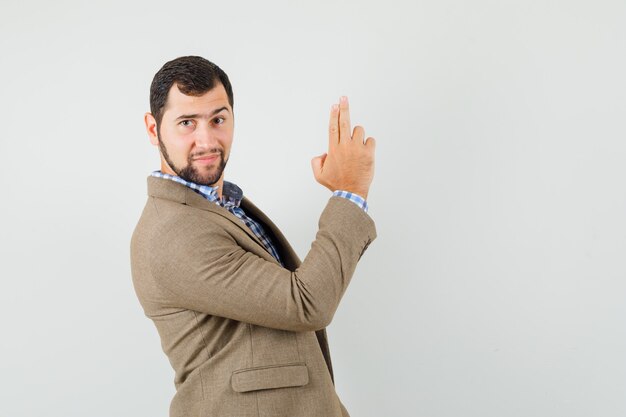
311	325
314	321
321	321
315	308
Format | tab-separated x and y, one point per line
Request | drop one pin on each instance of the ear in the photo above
151	128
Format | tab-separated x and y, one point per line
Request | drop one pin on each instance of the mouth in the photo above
205	159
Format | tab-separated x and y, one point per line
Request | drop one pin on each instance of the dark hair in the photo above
194	76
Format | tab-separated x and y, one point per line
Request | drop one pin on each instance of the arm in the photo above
204	269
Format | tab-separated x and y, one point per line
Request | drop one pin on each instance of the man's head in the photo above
191	119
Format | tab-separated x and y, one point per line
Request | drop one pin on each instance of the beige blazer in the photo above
244	335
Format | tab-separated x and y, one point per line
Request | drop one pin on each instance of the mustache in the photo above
211	152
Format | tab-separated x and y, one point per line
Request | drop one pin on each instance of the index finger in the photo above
344	120
333	127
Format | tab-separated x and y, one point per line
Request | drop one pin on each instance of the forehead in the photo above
177	102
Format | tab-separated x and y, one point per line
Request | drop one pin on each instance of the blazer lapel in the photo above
288	255
171	190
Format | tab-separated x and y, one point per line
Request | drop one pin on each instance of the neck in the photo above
220	182
165	168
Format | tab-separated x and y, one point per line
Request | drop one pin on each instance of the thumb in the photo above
317	163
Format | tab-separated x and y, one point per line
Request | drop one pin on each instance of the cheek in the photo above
227	141
178	147
227	148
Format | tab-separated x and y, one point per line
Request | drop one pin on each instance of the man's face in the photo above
195	135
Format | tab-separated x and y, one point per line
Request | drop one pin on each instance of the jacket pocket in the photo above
270	376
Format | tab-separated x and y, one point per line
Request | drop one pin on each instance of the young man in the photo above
241	318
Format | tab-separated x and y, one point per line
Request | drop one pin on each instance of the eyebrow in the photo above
198	115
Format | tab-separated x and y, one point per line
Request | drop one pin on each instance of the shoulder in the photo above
169	226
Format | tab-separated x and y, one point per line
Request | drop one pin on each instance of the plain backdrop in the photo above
497	284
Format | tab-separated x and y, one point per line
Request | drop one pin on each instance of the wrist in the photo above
353	197
362	194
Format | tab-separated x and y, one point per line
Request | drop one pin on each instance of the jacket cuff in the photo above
355	198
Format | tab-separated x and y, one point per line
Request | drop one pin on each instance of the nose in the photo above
205	139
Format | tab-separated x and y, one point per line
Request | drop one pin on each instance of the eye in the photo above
219	120
186	123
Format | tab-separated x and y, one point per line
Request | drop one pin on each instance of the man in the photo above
240	317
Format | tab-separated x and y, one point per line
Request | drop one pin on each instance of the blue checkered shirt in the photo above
231	198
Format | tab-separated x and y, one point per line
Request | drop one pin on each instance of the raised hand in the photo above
349	163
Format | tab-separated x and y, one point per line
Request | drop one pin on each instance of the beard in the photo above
190	173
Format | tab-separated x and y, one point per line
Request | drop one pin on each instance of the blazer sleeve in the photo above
204	269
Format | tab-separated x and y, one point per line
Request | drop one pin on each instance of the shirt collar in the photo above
231	193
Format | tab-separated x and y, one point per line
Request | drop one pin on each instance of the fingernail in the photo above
335	107
344	99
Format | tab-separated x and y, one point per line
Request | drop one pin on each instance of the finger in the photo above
344	120
317	164
333	127
358	133
370	142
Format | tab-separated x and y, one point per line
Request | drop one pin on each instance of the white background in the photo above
496	286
